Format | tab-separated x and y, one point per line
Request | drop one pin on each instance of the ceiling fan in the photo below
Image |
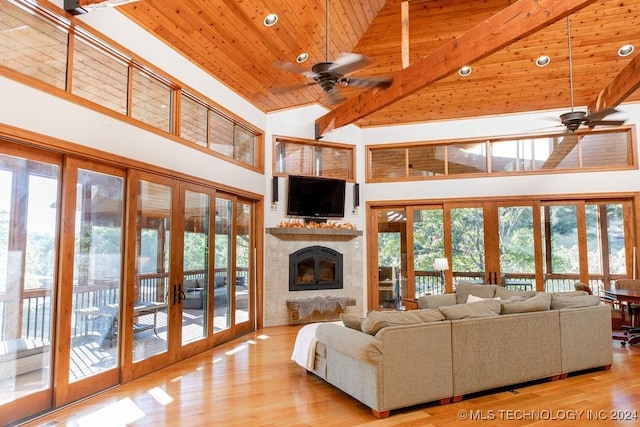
572	120
330	75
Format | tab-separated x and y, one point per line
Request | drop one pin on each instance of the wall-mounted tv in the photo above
315	197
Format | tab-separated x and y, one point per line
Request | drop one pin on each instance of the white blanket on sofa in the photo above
304	348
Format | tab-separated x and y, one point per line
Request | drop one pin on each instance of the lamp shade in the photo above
440	264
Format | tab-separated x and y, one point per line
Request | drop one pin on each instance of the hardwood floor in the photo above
252	382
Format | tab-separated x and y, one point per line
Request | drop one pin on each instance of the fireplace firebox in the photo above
315	268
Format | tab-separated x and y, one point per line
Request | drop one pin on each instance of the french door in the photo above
108	273
544	245
234	260
166	314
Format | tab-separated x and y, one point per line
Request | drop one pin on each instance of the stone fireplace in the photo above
315	268
281	243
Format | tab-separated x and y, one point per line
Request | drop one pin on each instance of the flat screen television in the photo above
315	197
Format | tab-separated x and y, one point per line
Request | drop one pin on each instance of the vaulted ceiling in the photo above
228	39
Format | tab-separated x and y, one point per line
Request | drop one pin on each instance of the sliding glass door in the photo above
91	271
29	200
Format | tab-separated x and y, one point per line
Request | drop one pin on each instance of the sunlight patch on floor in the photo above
120	413
160	396
236	350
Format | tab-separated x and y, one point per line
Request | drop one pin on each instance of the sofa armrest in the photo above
585	337
350	342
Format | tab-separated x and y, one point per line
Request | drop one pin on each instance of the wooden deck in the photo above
252	381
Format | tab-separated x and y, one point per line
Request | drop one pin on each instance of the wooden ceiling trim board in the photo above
624	84
512	23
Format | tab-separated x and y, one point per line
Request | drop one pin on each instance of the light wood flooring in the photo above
252	382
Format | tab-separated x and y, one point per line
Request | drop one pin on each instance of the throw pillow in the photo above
473	298
560	301
504	293
377	320
464	289
351	321
540	302
485	308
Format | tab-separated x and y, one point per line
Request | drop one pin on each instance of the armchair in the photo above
193	295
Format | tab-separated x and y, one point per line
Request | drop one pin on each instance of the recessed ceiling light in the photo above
626	50
270	19
465	71
302	57
543	61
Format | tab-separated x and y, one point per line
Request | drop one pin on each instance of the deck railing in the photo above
37	303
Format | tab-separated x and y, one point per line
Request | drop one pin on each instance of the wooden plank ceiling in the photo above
228	39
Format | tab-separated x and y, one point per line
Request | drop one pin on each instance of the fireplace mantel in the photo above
294	231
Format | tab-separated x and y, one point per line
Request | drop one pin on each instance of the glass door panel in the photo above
392	258
96	274
28	243
244	257
468	244
152	292
606	244
195	266
517	248
428	244
562	259
223	264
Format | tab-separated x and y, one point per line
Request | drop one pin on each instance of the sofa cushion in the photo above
540	302
504	293
435	301
573	301
487	308
473	298
351	321
464	289
568	293
377	320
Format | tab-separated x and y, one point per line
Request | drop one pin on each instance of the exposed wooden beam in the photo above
623	84
513	23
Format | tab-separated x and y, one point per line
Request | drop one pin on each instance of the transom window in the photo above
35	43
312	158
606	150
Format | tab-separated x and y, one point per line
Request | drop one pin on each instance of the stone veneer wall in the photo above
276	271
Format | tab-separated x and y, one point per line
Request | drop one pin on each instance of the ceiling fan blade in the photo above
288	66
367	82
333	97
346	63
593	123
600	114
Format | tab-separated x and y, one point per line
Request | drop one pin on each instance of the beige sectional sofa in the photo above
450	348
